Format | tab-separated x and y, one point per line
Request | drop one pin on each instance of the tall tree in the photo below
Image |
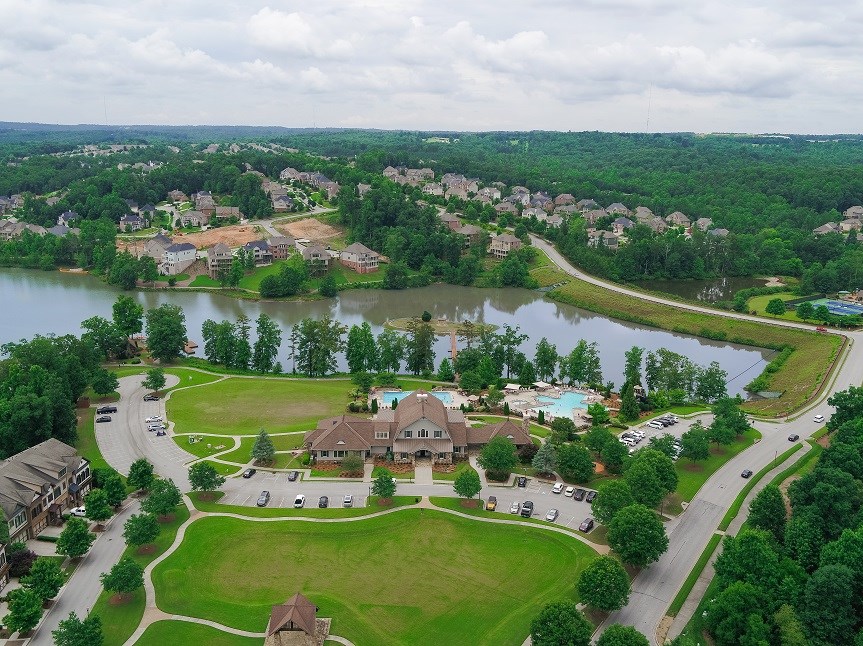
604	584
115	490
267	344
163	498
611	497
384	486
629	408
243	348
767	512
632	366
575	463
141	529
45	578
828	607
124	578
75	539
361	350
204	477
617	635
546	359
263	450
560	623
97	507
104	381
391	350
141	474
637	535
467	483
75	632
418	347
545	460
166	331
498	458
25	610
155	379
317	344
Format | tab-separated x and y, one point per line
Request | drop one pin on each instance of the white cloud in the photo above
294	33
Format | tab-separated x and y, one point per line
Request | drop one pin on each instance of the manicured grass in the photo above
184	632
803	466
684	591
759	304
244	453
547	276
201	449
86	444
244	406
120	621
405	475
253	280
461	466
493	603
223	469
286	461
345	276
799	377
309	511
692	475
688	410
186	376
202	280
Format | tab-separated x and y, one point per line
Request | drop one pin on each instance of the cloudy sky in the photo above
619	65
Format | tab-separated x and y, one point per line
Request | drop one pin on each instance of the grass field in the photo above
186	376
86	443
201	449
244	453
243	407
360	574
461	466
223	469
311	511
184	632
253	280
345	276
799	378
202	280
758	304
694	474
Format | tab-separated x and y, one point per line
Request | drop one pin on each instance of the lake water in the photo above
710	291
36	302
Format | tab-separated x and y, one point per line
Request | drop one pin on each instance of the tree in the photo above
141	529
805	310
75	632
828	608
574	463
846	550
604	584
467	483
632	366
128	316
545	359
395	276
597	437
75	539
141	474
498	458
147	269
614	456
115	490
767	512
163	498
789	627
736	616
750	556
267	344
419	346
96	505
361	352
166	332
776	307
711	383
560	623
317	343
445	372
391	350
263	450
352	463
155	379
695	443
45	578
124	578
25	610
204	477
562	430
629	408
384	486
611	497
661	465
103	381
328	287
617	635
637	535
598	413
545	460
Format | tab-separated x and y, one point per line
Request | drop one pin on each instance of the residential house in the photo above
600	238
564	199
542	200
593	215
657	225
450	179
621	225
131	222
850	224
854	212
282	203
316	257
488	193
177	196
280	246
520	190
362	189
518	198
502	244
450	220
295	623
719	233
390	172
38	484
506	207
10	230
703	224
677	219
331	189
643	214
204	202
534	211
193	218
457	190
66	218
421	427
433	188
155	246
177	258
617	209
830	227
587	205
471	233
260	251
290	174
5	204
420	173
225	212
554	221
132	205
360	258
219	260
566	209
62	231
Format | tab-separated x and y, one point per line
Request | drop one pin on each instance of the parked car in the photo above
551	516
557	488
299	501
323	502
746	473
348	501
293	475
819	419
514	508
154	418
104	418
156	427
151	397
160	433
569	491
580	494
521	481
248	473
590	496
106	409
263	499
793	437
586	525
527	509
491	503
78	512
655	424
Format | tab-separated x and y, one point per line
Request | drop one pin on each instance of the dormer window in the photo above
409	434
438	435
423	433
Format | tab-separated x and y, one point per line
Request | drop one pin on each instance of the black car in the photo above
104	418
522	481
793	437
263	499
293	475
579	494
323	502
586	525
248	473
527	509
151	398
102	410
590	496
746	473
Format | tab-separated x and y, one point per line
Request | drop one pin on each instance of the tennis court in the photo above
840	308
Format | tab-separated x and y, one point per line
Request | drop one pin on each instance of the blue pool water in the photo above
388	397
562	406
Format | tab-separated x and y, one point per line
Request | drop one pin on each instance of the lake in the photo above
38	302
710	291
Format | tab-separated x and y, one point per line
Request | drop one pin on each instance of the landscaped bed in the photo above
358	574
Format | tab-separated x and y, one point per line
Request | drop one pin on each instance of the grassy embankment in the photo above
799	378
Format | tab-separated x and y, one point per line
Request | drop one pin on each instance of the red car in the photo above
821	328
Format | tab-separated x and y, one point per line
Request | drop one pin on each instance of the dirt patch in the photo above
783	487
824	440
718	450
167	518
233	236
664	627
118	599
385	502
311	229
693	467
147	549
598	467
469	504
392	467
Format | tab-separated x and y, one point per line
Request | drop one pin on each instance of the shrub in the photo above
20	562
526	453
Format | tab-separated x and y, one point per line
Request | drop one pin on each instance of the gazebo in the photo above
295	623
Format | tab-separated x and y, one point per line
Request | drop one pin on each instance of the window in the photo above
62	472
438	435
56	492
404	456
339	454
325	454
423	433
382	435
19	519
456	449
409	434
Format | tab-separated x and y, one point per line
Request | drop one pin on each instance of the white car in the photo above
348	501
819	419
154	418
656	425
551	516
78	512
299	501
557	488
569	491
514	508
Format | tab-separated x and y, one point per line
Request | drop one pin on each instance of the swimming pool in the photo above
388	396
562	406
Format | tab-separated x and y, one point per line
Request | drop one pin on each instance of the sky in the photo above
774	66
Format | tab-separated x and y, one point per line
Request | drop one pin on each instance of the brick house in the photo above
503	244
280	246
360	258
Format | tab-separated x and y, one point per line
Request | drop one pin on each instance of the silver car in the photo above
551	516
514	508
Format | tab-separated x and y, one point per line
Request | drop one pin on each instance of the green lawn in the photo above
202	280
358	573
461	466
201	449
223	469
758	304
345	276
244	453
694	474
253	280
245	406
86	443
184	632
120	621
186	376
288	512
